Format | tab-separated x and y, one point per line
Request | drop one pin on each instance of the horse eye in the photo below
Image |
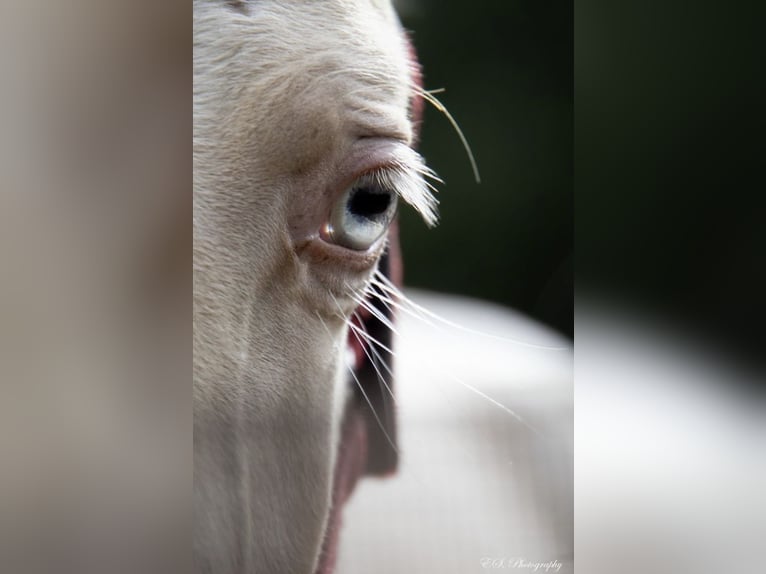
362	215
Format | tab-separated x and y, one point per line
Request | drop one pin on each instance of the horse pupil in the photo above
368	204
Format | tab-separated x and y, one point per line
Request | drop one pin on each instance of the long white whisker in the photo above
373	340
467	386
370	339
382	361
385	285
364	394
377	314
461	382
359	333
387	303
398	305
362	331
369	293
390	288
381	378
372	409
495	402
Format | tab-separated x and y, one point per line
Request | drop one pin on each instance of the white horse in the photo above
303	133
305	114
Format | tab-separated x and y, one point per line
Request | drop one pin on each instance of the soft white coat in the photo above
292	100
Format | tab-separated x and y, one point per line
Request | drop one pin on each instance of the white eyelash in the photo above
408	176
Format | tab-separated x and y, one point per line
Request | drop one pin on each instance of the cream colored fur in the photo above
292	98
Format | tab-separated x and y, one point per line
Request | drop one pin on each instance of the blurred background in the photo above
484	403
670	374
507	71
669	153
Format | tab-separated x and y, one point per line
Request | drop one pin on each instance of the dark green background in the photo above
507	69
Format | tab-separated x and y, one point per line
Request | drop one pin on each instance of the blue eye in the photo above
362	215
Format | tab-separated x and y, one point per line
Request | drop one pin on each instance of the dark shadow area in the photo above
508	73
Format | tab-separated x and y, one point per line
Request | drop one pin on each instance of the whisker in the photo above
359	333
387	303
471	388
372	409
399	306
390	304
377	314
384	284
496	403
383	363
430	98
364	394
381	378
373	340
387	286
